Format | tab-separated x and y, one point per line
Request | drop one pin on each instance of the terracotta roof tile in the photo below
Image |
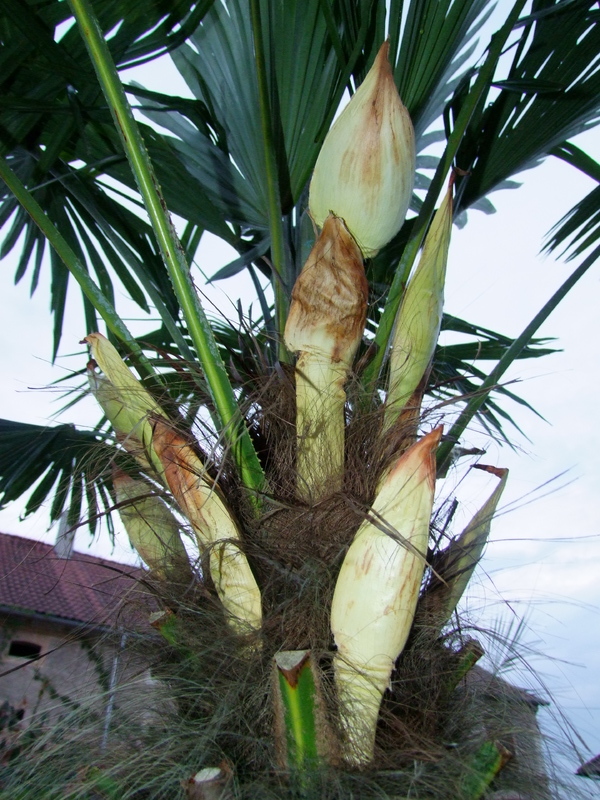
591	769
82	588
493	686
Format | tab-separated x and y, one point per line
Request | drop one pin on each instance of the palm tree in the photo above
292	447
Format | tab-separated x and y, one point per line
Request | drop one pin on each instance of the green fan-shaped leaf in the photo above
521	126
50	103
435	48
60	462
582	223
305	82
100	232
455	376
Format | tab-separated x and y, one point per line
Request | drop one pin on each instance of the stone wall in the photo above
72	672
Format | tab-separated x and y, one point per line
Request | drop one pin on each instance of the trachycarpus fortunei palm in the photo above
359	196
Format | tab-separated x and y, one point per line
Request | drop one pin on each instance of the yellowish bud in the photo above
138	419
151	527
420	315
127	425
214	526
365	170
136	399
376	593
127	405
325	326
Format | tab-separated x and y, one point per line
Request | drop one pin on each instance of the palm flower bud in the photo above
455	566
126	425
151	527
376	592
139	419
366	166
420	314
213	524
325	326
127	405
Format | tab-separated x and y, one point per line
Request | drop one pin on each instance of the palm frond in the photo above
77	212
550	93
62	463
456	377
434	54
582	223
52	116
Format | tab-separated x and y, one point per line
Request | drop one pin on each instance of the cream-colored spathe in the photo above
138	418
377	591
214	526
419	318
151	527
325	326
127	405
366	167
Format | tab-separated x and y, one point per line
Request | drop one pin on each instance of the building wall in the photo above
507	716
85	698
71	668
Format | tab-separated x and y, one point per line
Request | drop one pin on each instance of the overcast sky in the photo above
544	561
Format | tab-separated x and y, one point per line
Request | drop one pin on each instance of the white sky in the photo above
545	558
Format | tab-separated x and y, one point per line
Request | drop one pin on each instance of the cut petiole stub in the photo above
209	783
296	711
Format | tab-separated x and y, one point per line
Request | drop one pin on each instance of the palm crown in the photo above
311	462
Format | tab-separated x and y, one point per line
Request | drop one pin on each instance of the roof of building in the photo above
591	769
496	687
83	588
